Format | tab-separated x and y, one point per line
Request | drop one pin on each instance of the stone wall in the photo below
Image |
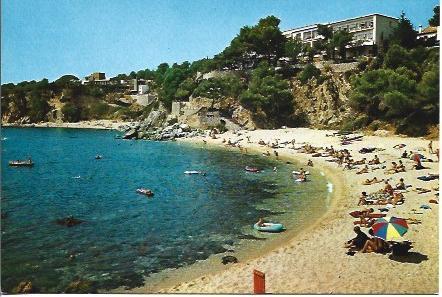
338	68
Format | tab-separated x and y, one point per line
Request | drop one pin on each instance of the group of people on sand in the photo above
365	244
388	195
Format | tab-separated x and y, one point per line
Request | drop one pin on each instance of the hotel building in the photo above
368	33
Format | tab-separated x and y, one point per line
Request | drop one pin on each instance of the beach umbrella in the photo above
389	228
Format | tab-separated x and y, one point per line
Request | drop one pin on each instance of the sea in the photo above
126	237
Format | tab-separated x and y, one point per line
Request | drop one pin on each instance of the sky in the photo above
50	38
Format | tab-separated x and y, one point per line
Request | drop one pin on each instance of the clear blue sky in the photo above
50	38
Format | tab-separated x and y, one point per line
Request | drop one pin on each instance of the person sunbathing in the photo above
372	181
363	170
365	222
397	197
399	146
363	199
360	162
358	242
388	189
422	190
401	185
374	161
310	163
400	167
404	155
393	169
375	244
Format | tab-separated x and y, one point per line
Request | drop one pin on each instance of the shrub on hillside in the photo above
309	72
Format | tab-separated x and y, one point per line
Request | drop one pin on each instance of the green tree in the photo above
404	34
292	49
435	20
309	72
173	77
396	56
185	89
38	106
264	40
269	92
339	41
71	112
219	87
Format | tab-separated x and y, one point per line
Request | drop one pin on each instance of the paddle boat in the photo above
21	163
269	227
98	157
252	169
144	191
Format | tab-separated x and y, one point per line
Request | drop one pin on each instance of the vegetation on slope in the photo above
400	86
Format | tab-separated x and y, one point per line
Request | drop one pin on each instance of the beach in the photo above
315	260
92	124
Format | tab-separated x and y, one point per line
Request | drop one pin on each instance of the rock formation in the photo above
322	105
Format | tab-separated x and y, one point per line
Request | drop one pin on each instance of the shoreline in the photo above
314	261
92	124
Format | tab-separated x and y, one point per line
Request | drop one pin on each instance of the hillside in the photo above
261	80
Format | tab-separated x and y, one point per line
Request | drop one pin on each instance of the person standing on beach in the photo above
430	147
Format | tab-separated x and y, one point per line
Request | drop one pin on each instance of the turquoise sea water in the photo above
126	236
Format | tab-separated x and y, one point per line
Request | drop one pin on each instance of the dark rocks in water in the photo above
229	242
132	133
24	287
229	259
70	221
80	286
250	237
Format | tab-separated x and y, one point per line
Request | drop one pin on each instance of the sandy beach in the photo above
315	261
93	124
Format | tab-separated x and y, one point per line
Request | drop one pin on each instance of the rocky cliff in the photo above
322	104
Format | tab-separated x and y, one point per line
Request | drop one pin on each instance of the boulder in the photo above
24	287
155	119
229	259
130	134
185	127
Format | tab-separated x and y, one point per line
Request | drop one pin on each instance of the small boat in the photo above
269	227
144	191
190	172
252	169
98	157
20	163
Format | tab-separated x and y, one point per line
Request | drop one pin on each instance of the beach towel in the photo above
428	177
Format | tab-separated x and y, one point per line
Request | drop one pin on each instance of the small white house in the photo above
143	89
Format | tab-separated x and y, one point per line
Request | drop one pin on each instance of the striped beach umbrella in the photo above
390	228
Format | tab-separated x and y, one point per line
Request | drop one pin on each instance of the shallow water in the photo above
126	236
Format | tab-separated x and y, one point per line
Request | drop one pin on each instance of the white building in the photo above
429	34
143	89
368	32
